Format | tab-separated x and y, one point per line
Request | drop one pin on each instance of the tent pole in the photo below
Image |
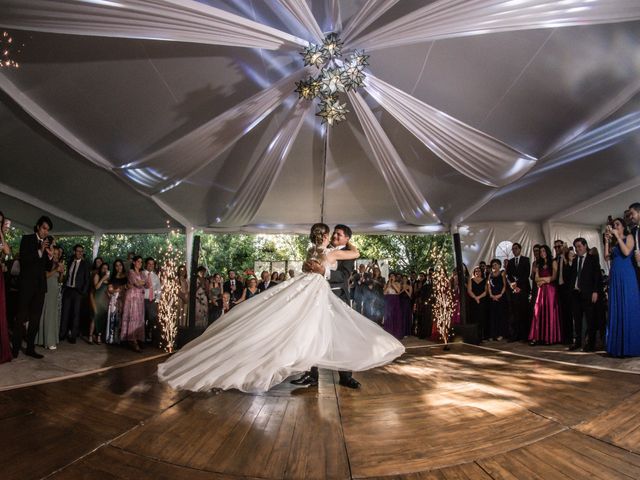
324	171
97	238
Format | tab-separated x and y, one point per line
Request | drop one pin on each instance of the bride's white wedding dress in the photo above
286	330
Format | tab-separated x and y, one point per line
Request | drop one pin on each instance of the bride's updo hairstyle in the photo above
318	230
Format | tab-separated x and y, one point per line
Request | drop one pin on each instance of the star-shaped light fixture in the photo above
7	45
335	76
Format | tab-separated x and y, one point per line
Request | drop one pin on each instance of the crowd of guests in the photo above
403	303
564	296
47	296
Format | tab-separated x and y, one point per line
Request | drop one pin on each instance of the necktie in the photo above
150	289
72	274
517	260
580	260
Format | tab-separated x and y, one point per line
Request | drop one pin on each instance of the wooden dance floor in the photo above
469	413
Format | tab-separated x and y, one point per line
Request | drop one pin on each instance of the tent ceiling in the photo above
123	99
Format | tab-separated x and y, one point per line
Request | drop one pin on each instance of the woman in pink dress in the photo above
133	312
545	326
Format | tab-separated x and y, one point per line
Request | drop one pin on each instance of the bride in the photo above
286	330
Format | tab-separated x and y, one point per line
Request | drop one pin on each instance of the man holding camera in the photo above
35	260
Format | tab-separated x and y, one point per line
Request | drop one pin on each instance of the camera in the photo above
49	239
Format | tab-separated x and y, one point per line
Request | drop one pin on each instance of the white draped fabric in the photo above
200	147
367	14
456	18
301	11
479	240
168	20
471	152
413	207
261	176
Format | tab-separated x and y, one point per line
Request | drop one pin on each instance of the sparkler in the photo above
168	306
443	300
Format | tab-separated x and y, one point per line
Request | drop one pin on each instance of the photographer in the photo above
623	334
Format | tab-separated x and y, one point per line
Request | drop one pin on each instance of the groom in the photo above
339	282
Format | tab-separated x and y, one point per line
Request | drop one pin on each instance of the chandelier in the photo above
7	45
336	75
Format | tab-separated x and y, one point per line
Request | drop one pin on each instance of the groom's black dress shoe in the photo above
306	379
350	383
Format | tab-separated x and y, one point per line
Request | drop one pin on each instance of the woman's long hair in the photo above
548	261
318	231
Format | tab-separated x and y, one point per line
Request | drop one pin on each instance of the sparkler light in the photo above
335	76
168	306
443	299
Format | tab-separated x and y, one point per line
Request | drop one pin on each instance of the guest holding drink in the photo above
623	333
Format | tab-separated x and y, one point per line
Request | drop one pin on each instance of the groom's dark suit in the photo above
339	283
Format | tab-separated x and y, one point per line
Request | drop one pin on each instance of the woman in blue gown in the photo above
623	332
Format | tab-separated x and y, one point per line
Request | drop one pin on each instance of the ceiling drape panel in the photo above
471	152
302	13
260	177
410	201
50	123
593	141
186	156
368	13
169	20
457	18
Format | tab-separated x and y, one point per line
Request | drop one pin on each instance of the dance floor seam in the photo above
466	413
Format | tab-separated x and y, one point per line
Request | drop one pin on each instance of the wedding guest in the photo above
292	273
518	271
424	314
48	333
478	306
275	277
100	282
152	296
282	277
202	301
585	281
133	311
183	297
215	297
406	293
250	290
623	334
496	288
266	281
76	288
35	260
545	326
234	285
116	290
5	251
564	292
359	286
226	304
600	308
634	217
392	313
483	268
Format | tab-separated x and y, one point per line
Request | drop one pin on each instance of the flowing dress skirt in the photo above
286	330
623	332
545	326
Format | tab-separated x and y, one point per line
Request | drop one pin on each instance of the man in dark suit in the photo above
76	287
339	283
233	286
584	281
265	281
35	260
634	216
518	270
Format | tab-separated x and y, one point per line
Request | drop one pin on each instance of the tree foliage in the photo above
222	252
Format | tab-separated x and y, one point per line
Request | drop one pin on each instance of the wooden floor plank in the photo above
463	414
